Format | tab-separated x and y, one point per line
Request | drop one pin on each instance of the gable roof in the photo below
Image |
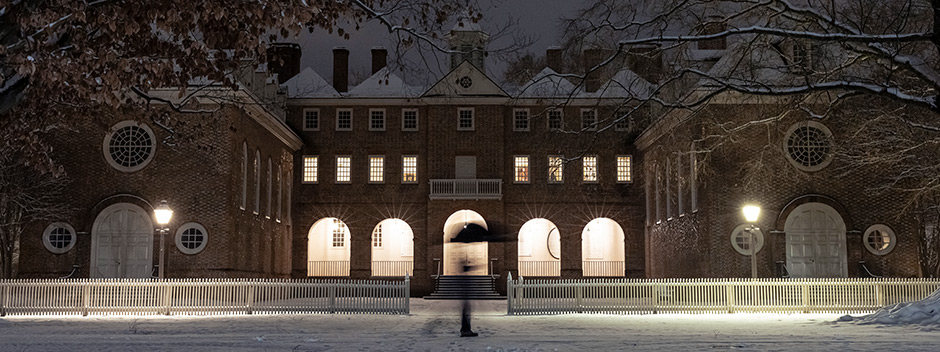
308	84
465	80
384	84
546	84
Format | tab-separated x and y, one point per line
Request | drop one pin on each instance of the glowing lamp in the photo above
163	213
751	212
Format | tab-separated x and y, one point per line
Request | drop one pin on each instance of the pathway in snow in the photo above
433	326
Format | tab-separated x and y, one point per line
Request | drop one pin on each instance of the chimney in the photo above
284	60
341	69
592	79
647	62
553	58
379	58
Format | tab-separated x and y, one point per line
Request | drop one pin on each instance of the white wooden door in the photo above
816	242
122	242
465	167
456	255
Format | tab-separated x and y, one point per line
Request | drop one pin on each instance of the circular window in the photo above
191	238
59	237
130	146
465	82
741	239
809	146
879	239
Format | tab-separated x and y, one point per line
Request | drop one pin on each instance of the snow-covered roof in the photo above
546	84
626	83
385	84
308	84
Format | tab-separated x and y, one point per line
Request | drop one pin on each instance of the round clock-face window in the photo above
465	82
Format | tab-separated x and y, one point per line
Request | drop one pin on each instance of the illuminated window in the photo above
589	164
339	233
344	120
555	168
879	239
409	120
342	169
376	168
554	120
310	169
311	119
377	237
624	172
588	119
465	119
521	169
376	119
409	169
520	120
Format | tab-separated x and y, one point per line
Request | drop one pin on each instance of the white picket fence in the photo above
202	296
651	296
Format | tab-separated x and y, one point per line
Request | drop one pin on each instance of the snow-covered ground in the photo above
433	325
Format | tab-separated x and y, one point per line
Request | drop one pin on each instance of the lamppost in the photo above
163	213
751	213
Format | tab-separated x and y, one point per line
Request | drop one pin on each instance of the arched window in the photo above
280	192
257	181
244	201
267	213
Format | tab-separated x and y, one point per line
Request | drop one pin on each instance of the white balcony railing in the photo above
466	189
386	268
539	268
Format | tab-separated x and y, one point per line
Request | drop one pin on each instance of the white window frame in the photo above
472	119
629	168
892	238
584	169
417	119
561	169
381	169
404	166
516	120
257	181
244	200
377	236
267	214
305	126
179	238
340	226
315	169
47	242
348	169
625	122
373	128
561	119
515	169
106	146
338	111
280	192
592	126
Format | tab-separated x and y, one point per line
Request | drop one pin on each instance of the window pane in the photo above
554	119
342	168
555	169
410	120
311	119
310	169
521	118
590	168
377	119
339	232
377	237
409	170
376	169
344	119
588	120
465	119
624	173
522	169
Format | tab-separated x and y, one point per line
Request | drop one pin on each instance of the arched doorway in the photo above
539	249
122	242
328	248
602	248
816	242
393	248
457	254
